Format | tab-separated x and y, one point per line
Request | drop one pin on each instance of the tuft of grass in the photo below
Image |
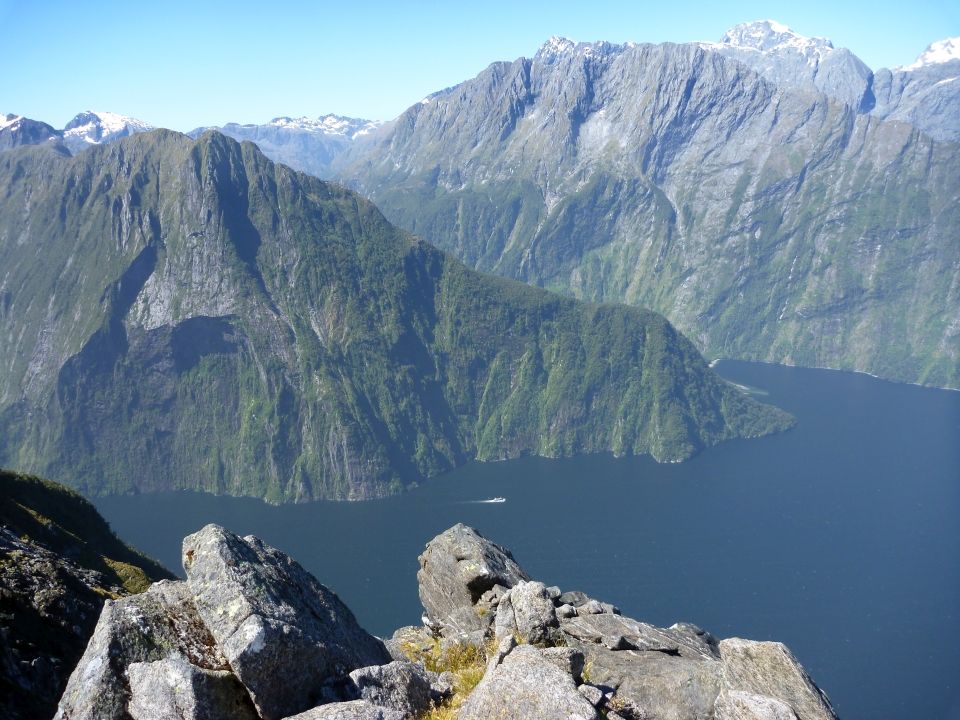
467	663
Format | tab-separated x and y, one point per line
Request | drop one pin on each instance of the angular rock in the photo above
411	638
525	685
151	626
456	569
350	710
769	669
572	597
616	632
290	640
734	705
173	689
568	659
655	684
591	693
528	611
403	686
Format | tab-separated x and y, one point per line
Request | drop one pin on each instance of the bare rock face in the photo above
526	685
290	640
174	689
351	710
152	626
770	670
736	705
528	611
401	686
456	569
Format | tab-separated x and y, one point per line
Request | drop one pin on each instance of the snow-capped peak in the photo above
8	120
770	35
556	45
328	125
942	51
96	126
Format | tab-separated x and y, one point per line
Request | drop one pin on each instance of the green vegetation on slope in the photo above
191	315
59	561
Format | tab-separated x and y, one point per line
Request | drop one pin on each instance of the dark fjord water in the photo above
840	538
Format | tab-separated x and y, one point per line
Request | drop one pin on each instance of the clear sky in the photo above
185	64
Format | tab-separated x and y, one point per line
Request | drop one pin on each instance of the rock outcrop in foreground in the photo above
250	634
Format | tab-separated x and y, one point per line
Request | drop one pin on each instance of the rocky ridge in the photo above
84	130
187	314
250	635
59	561
769	194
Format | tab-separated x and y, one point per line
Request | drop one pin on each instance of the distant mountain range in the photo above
85	130
769	193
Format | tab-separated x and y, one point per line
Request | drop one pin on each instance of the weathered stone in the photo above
527	611
655	684
456	569
592	693
411	638
770	669
572	597
288	638
566	611
617	632
403	686
173	689
351	710
553	592
151	626
568	659
524	685
590	607
735	705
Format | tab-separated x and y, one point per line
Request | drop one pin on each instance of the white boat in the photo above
495	500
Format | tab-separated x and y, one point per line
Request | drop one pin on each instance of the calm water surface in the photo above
840	537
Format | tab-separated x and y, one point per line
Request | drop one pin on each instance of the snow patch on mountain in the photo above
772	37
328	125
96	127
9	119
942	51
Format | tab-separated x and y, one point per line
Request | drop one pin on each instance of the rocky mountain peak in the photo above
9	119
560	47
938	53
770	36
96	127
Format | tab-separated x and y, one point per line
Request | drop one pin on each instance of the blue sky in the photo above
181	65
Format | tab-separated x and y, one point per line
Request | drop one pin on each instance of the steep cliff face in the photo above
762	206
183	314
59	561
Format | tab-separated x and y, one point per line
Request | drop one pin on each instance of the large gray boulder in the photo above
402	686
289	639
655	684
736	705
174	689
528	611
617	632
769	669
163	622
457	567
522	684
350	710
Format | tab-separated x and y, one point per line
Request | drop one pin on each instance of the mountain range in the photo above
769	193
188	314
84	130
